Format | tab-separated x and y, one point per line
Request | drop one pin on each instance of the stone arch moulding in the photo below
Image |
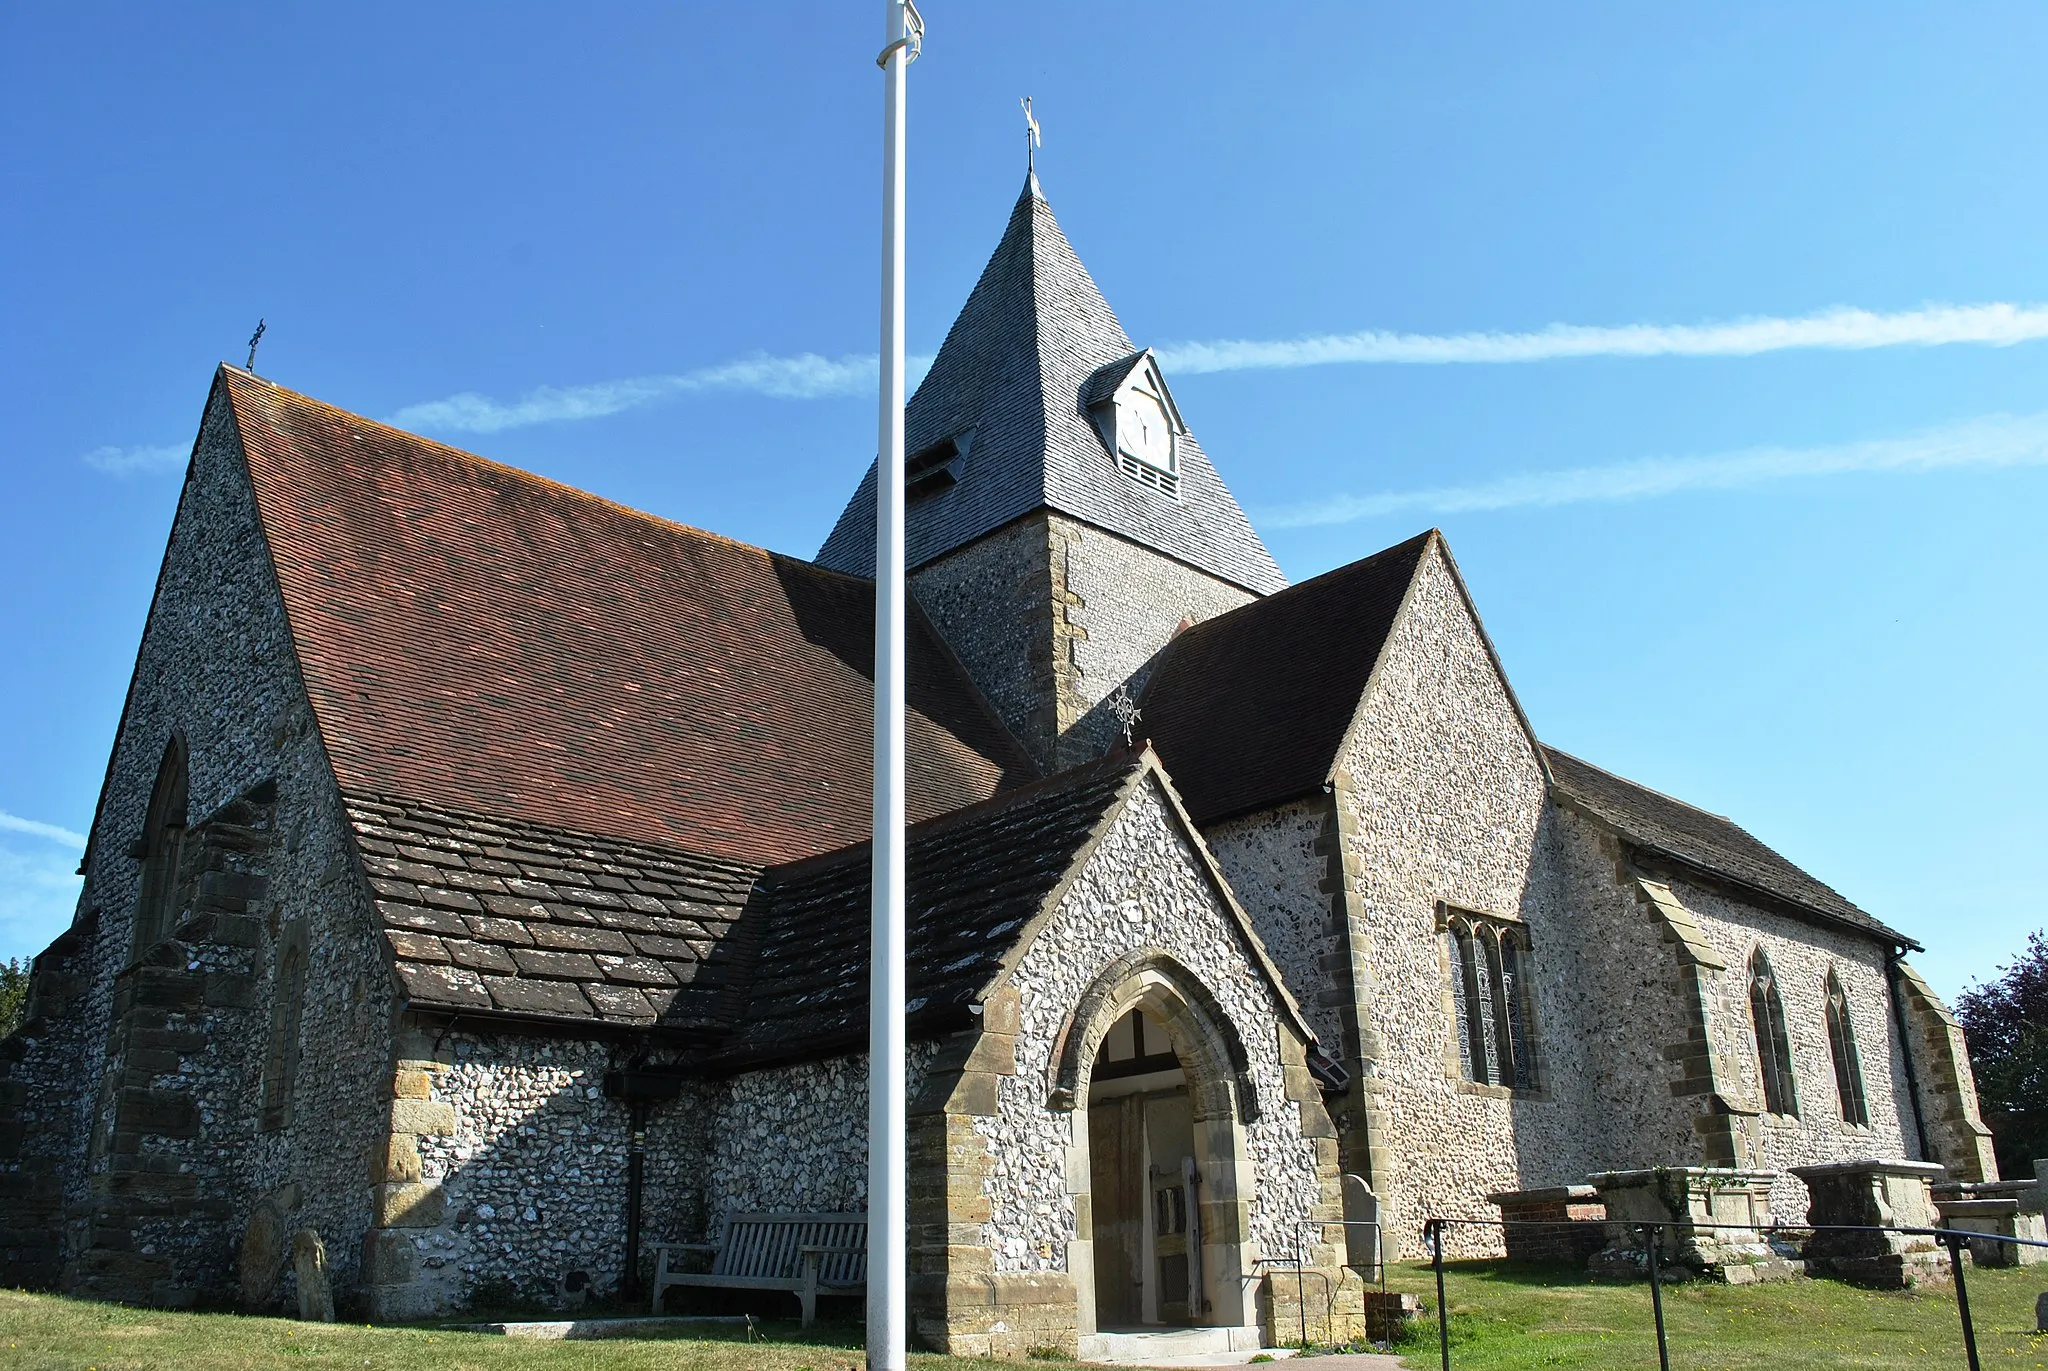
1211	1050
1222	1100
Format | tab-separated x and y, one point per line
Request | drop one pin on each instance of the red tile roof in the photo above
1247	709
477	637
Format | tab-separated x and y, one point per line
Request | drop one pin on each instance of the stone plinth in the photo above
1995	1218
1873	1191
1716	1215
1562	1223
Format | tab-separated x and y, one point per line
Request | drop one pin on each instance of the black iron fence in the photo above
1955	1240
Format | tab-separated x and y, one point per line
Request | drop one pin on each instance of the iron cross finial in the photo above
254	339
1033	139
1126	711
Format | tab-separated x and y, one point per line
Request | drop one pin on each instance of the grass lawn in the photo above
43	1331
1509	1315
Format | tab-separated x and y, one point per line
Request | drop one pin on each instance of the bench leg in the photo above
808	1296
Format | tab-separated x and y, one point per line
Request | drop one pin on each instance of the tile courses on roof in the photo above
479	638
1662	826
505	919
1009	382
1248	709
976	880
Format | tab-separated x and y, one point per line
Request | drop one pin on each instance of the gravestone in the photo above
309	1264
262	1256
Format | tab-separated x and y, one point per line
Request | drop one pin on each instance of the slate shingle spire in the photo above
1008	389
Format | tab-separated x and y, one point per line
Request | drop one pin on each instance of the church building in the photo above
480	879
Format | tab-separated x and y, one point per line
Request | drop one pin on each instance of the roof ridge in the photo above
1286	595
1086	772
466	456
1652	790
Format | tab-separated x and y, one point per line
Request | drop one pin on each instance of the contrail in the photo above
1843	329
1995	440
15	824
809	376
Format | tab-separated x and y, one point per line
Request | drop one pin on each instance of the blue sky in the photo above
1715	339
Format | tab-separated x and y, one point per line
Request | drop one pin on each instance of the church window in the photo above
1848	1065
1494	1023
1458	958
162	848
1773	1047
1485	990
1517	1012
287	1008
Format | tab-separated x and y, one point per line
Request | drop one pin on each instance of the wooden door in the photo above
1116	1181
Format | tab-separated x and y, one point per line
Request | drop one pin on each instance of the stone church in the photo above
479	879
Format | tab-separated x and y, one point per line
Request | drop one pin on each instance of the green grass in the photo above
44	1331
1502	1316
1510	1315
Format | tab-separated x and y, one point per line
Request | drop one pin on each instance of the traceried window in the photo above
1773	1047
288	1006
1842	1046
1487	960
162	848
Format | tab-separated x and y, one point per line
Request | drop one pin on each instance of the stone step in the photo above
1151	1347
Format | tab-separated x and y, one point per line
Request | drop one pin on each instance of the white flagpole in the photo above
888	1219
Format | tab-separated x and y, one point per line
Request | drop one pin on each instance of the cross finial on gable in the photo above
1126	711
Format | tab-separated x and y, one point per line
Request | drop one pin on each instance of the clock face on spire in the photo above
1143	428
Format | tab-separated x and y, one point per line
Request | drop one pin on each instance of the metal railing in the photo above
1954	1239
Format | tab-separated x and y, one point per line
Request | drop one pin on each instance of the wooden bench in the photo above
805	1254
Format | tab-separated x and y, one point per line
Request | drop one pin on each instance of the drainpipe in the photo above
636	1154
1891	970
640	1090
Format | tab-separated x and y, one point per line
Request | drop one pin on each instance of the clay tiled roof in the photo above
1707	842
481	639
1247	709
976	879
1010	384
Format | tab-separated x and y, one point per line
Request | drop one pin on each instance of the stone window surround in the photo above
1448	918
1772	1040
1851	1092
279	1082
160	847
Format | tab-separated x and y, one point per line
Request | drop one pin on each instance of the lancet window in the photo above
1848	1064
1487	961
162	848
288	1007
1773	1046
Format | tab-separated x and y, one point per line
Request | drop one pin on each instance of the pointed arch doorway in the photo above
1162	1080
1144	1180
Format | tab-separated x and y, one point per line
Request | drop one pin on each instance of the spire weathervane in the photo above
1033	139
254	339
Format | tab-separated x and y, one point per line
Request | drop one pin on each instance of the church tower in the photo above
1063	522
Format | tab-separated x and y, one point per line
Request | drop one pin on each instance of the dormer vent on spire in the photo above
1065	414
1140	425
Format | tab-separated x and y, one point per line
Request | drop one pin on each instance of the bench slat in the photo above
766	1251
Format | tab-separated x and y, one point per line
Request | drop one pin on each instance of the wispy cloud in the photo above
806	376
132	461
36	829
38	883
1997	440
809	376
1842	329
